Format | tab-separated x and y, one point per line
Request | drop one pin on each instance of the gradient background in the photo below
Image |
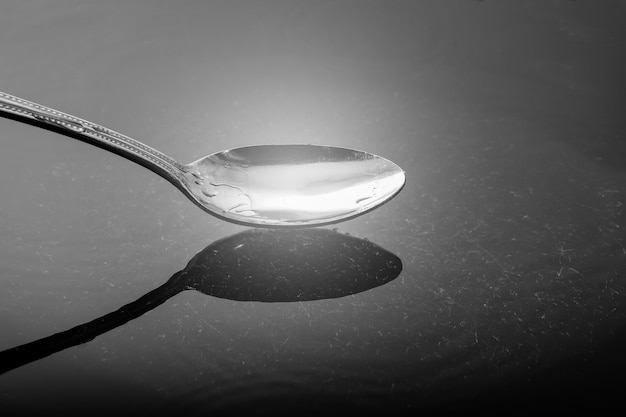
508	117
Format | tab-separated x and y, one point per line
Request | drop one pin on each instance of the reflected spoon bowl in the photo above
263	185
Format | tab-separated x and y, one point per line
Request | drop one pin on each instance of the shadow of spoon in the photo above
255	265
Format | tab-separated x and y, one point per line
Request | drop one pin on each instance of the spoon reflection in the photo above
255	265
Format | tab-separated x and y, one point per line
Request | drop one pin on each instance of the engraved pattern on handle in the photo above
129	147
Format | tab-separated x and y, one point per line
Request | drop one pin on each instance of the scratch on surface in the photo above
572	269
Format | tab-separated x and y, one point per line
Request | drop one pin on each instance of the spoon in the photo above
264	185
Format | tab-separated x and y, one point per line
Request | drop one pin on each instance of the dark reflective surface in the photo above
255	265
508	118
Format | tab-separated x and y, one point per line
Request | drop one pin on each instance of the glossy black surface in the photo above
506	116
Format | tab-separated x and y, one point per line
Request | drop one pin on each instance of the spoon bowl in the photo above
263	185
292	185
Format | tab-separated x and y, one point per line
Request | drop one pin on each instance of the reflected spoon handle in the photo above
29	352
41	116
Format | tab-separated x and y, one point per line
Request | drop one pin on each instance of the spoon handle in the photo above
41	116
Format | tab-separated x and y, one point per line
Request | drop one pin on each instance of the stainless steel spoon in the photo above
265	185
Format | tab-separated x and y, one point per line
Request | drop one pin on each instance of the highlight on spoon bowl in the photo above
293	185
